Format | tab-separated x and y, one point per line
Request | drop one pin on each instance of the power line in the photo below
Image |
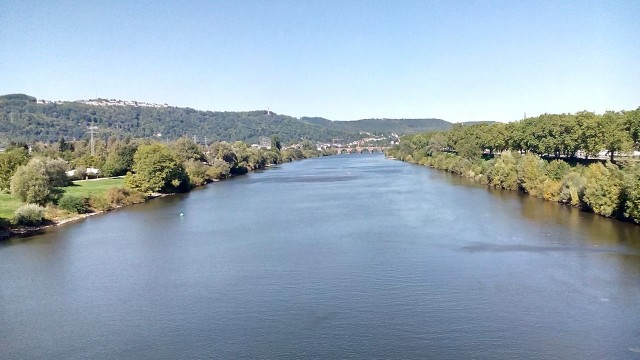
93	145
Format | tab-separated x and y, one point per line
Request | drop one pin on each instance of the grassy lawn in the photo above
9	204
84	188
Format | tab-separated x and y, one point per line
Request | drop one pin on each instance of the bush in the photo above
99	203
551	190
557	169
572	189
29	214
632	194
504	173
72	203
121	197
603	188
530	174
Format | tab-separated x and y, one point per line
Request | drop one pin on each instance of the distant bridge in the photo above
361	149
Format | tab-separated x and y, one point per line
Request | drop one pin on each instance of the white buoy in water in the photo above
181	214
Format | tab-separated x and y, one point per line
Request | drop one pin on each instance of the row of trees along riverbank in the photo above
35	182
546	156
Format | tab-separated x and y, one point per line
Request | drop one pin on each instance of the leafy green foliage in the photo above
572	189
74	204
21	118
29	214
157	170
603	188
219	169
186	149
632	194
120	160
9	162
607	189
36	181
197	172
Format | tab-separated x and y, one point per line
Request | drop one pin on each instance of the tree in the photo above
632	119
590	139
64	146
572	189
197	172
9	162
120	160
275	142
603	188
186	149
531	174
156	169
632	193
615	136
36	181
437	143
223	151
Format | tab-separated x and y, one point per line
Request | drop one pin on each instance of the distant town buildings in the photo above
107	102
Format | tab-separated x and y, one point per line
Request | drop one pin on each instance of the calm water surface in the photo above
351	256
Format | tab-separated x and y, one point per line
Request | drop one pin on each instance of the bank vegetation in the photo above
37	186
583	160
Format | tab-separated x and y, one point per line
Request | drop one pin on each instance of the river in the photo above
351	256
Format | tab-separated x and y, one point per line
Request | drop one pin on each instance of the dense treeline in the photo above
547	157
24	119
150	167
383	126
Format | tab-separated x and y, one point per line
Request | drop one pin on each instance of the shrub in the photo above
29	214
557	169
99	203
551	190
504	173
79	173
121	197
530	174
73	203
572	189
632	194
603	188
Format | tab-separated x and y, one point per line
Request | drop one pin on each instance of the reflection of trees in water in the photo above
596	229
581	229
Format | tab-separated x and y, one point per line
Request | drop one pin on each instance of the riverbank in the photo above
603	188
88	188
13	231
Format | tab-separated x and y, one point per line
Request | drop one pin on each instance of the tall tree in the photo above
9	162
156	169
614	134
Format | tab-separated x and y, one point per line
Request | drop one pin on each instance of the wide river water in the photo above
350	256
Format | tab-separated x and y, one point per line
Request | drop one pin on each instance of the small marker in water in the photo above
181	214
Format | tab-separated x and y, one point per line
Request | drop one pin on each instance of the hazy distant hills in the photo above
24	118
398	126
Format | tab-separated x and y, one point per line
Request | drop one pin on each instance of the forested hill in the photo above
23	118
398	126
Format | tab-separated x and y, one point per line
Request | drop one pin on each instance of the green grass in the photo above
85	188
9	203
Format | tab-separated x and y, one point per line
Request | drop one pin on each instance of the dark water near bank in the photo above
344	257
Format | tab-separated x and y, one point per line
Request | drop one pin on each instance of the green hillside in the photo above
22	118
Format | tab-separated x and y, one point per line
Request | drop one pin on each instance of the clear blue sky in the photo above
343	60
